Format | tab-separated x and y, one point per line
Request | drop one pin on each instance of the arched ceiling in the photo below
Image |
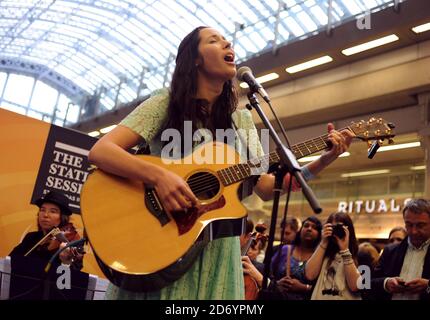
123	49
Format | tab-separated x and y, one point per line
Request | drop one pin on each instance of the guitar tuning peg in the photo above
391	125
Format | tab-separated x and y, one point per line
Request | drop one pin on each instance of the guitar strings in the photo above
230	172
210	181
305	148
300	147
213	179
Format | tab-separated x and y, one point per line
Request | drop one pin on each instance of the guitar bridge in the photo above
154	206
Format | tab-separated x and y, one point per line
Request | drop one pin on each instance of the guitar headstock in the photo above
373	129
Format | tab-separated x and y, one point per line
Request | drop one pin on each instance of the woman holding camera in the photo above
334	262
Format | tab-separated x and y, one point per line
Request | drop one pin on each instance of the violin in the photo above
251	285
66	234
53	239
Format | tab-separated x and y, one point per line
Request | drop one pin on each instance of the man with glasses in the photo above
403	271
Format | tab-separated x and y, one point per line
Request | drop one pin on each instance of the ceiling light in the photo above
262	79
308	159
400	146
94	133
418	168
312	158
421	28
364	173
370	45
309	64
107	129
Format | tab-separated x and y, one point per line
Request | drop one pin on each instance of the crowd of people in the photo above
327	262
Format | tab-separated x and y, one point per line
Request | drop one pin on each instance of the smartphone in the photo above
402	283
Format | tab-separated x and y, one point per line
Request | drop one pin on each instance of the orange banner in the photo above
23	141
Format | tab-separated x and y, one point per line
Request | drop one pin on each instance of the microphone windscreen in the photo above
241	71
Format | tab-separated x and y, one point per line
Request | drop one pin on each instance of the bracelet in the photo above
346	258
344	252
346	255
325	248
348	262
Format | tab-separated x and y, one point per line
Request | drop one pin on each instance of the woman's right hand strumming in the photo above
173	192
109	154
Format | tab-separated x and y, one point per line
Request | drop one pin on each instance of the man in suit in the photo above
403	271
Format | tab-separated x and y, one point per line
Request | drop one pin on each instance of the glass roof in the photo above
123	49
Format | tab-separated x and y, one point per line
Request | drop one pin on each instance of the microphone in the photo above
245	74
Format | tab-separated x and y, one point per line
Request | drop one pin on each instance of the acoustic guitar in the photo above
141	247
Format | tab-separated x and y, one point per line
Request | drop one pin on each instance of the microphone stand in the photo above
287	164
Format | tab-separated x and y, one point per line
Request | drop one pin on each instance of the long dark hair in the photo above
333	248
318	224
183	104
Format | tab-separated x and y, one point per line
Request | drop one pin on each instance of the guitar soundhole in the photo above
204	185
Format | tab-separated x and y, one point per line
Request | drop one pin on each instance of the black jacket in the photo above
390	265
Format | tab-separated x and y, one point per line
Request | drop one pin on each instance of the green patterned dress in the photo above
217	272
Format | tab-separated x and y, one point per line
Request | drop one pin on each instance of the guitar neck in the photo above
260	165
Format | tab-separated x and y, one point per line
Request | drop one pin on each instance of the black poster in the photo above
64	166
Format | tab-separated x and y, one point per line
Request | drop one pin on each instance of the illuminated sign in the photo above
371	206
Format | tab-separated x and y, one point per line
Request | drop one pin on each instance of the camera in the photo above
339	231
